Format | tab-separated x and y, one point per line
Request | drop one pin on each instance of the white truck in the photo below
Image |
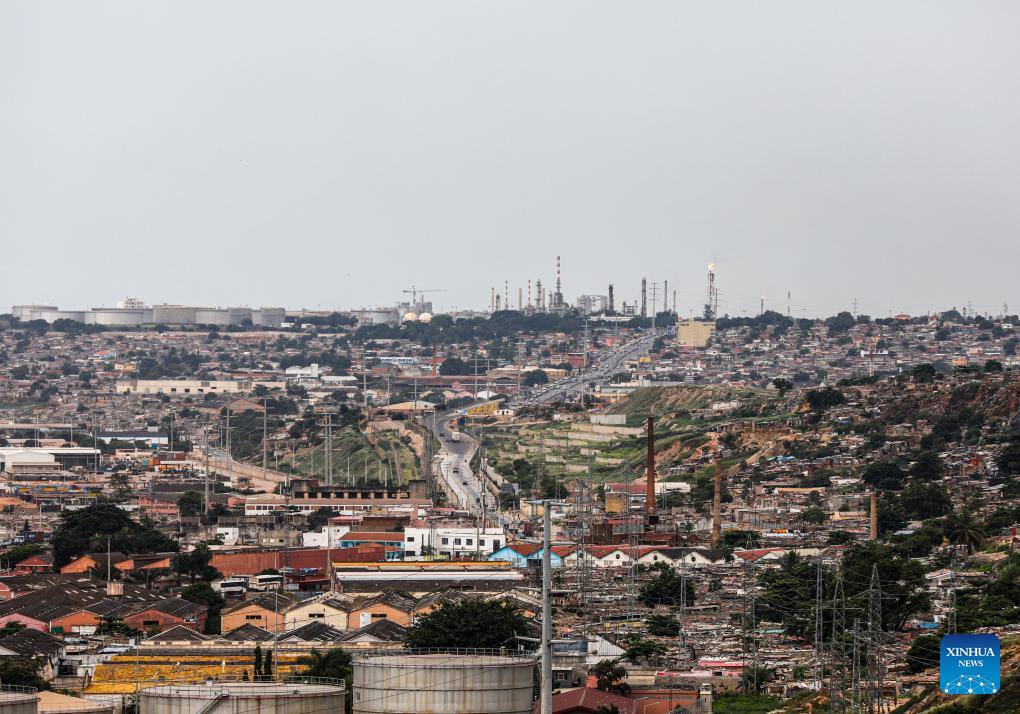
454	435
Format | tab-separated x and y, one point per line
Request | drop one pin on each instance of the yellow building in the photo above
694	333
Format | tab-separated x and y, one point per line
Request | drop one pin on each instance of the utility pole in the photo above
837	683
205	438
819	668
265	435
546	694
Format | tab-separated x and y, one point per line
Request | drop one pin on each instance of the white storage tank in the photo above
212	316
447	683
54	703
18	700
173	315
243	698
118	316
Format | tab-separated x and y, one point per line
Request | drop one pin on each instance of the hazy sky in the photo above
334	153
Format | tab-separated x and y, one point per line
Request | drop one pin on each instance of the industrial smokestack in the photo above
611	303
644	297
717	502
650	468
874	516
665	296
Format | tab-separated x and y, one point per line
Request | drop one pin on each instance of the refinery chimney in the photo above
611	305
644	297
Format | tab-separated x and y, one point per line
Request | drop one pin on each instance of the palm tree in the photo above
609	676
333	664
790	560
967	532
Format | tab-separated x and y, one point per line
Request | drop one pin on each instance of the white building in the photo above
183	386
453	542
328	537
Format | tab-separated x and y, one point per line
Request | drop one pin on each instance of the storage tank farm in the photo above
18	700
434	683
304	697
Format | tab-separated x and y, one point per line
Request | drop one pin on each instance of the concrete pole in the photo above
546	610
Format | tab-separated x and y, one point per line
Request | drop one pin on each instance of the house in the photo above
516	553
176	636
557	556
42	563
168	613
45	648
688	557
313	632
381	633
247	633
391	606
92	561
329	609
265	610
586	700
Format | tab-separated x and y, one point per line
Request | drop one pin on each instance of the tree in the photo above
662	625
86	531
257	666
331	664
824	398
1008	459
195	564
204	594
884	476
22	672
121	486
754	679
923	653
189	504
783	385
923	373
921	501
993	365
536	376
927	466
966	531
815	516
667	589
469	623
639	649
610	676
840	538
453	366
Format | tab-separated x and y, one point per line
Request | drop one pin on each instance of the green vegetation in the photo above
469	623
745	704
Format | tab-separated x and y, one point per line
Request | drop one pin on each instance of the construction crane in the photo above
416	291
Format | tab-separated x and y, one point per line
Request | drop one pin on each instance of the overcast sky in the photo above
335	153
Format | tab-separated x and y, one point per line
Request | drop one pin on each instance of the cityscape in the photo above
492	358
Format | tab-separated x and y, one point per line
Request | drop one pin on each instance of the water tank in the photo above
18	700
243	698
212	316
410	317
425	317
452	684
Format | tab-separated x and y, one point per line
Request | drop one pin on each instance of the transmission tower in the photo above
875	663
837	682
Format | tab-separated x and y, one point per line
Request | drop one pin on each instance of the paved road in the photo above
608	363
455	464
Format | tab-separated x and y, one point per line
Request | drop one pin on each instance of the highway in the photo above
606	364
455	463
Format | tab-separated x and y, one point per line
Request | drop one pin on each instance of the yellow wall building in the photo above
694	333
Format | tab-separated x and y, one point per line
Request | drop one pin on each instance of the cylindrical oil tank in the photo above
118	316
239	315
212	316
18	700
243	698
173	315
451	684
269	317
54	703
